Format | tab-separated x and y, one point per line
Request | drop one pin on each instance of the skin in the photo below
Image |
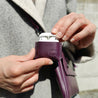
18	74
76	29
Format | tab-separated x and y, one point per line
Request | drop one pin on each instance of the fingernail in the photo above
51	62
72	40
59	35
64	38
54	31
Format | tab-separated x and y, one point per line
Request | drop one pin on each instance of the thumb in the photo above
27	57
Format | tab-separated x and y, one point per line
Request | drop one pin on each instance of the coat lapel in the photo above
40	6
29	7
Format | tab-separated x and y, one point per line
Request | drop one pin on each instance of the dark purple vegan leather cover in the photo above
65	75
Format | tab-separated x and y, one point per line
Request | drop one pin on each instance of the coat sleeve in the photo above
71	6
79	56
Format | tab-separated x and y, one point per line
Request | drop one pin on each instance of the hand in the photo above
19	73
76	29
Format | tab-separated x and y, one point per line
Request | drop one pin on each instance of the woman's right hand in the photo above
18	74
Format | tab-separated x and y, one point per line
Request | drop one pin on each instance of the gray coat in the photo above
18	35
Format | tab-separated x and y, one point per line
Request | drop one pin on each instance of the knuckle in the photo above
89	29
77	38
59	24
16	82
16	91
73	15
94	27
81	21
15	71
70	30
45	62
41	62
37	67
62	28
37	77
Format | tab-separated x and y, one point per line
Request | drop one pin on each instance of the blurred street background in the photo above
87	73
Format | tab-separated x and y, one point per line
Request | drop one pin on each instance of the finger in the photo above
20	84
27	57
87	31
27	89
16	81
33	65
17	90
60	28
26	76
74	27
56	27
31	81
29	66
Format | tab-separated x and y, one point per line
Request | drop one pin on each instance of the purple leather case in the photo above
65	74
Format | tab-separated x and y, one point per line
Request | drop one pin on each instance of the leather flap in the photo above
68	67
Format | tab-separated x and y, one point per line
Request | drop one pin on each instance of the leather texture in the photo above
65	73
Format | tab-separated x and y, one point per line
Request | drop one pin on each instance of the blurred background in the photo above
87	73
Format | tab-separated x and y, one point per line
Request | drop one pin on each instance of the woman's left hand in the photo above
76	29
